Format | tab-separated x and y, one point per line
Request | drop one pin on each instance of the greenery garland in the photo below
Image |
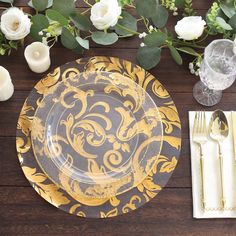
60	20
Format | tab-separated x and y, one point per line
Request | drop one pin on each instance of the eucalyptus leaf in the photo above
80	21
228	8
40	5
189	51
232	22
83	42
127	21
222	23
155	39
65	7
8	1
39	22
56	16
149	57
50	2
103	38
175	55
179	3
125	2
68	40
78	49
160	17
146	8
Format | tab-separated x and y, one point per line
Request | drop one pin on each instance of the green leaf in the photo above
179	3
175	54
155	39
50	2
232	22
127	21
228	8
78	49
40	5
68	40
160	17
65	7
56	16
13	44
2	38
39	22
103	38
125	2
189	51
80	21
146	8
222	23
83	42
8	1
149	57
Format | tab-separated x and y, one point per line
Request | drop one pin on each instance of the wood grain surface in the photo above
23	212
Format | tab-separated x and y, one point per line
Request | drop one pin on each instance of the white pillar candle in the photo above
6	86
37	56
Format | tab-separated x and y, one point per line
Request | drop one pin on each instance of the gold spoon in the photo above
219	131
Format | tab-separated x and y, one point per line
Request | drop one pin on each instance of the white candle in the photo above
37	56
6	86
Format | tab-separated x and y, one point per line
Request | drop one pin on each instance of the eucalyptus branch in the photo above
87	2
183	43
145	22
84	12
127	29
203	39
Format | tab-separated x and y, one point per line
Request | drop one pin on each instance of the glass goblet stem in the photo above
206	96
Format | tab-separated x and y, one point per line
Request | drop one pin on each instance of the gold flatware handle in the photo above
223	201
202	177
202	182
233	116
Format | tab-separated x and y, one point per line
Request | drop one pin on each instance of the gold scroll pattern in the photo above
84	128
73	201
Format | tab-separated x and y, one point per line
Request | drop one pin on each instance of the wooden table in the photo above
23	212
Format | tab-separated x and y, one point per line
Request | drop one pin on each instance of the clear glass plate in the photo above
99	132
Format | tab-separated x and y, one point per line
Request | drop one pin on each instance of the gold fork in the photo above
200	138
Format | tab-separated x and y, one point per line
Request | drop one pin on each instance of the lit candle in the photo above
6	86
37	56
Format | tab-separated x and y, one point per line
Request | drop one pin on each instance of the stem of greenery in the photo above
127	29
86	1
84	12
145	22
182	43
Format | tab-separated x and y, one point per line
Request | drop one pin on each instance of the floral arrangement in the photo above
107	21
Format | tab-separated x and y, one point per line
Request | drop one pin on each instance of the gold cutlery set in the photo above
217	131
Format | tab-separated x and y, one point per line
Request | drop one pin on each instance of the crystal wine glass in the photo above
217	72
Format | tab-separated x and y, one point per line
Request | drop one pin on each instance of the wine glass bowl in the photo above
217	72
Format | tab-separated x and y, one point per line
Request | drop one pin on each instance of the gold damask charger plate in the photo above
80	184
98	131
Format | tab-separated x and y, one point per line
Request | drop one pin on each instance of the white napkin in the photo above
212	175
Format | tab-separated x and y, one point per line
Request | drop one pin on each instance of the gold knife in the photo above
233	117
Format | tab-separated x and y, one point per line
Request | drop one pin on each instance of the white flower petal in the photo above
190	28
105	14
15	24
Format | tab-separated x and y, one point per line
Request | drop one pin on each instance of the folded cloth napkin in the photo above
212	175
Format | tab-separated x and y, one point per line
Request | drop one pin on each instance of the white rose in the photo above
105	14
15	24
190	28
